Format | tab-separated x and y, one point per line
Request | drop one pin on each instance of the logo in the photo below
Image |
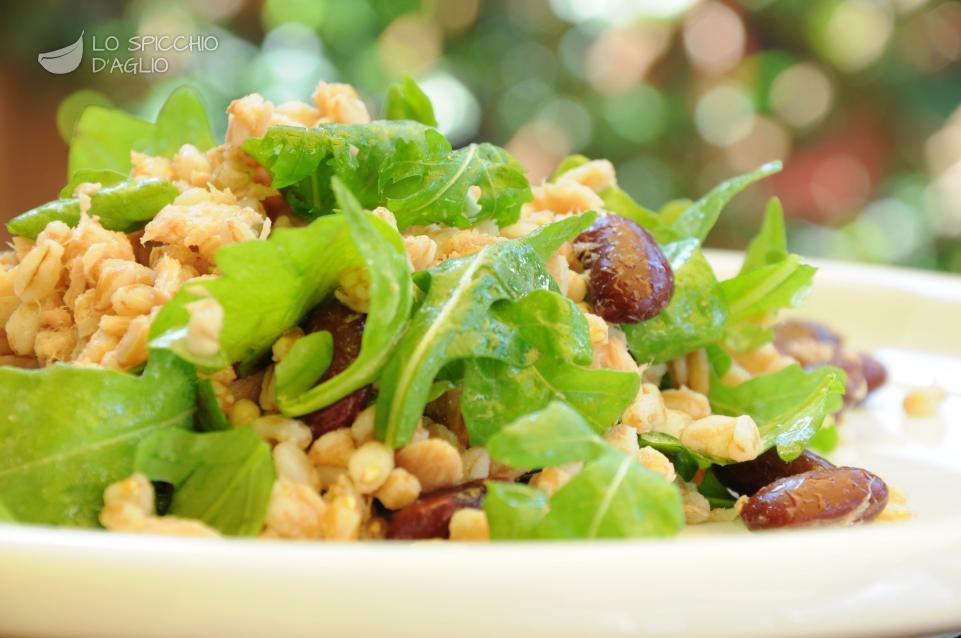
65	60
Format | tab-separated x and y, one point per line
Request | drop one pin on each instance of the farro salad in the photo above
332	327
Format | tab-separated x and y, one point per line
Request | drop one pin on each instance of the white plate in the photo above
879	580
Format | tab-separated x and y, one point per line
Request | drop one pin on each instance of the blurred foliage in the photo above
860	98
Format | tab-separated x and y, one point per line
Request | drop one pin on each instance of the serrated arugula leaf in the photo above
104	137
303	161
699	218
613	497
221	478
459	319
789	405
555	435
67	432
769	288
403	164
124	206
695	317
551	323
406	101
513	510
477	182
496	393
769	246
770	279
302	267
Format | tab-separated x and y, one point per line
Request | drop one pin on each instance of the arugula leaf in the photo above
104	137
455	321
104	177
513	509
182	120
569	163
551	323
391	295
784	284
552	436
443	189
789	405
307	361
613	497
715	492
695	317
67	432
221	478
770	279
547	239
619	202
403	164
496	393
769	246
747	336
125	206
303	161
406	101
690	460
210	417
699	218
826	440
302	266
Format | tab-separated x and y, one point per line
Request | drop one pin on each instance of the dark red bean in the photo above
429	516
749	477
875	374
347	329
835	496
630	278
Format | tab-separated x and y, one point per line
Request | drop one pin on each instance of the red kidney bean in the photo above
749	477
347	329
429	516
840	495
630	278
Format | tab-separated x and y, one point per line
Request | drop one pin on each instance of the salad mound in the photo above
333	327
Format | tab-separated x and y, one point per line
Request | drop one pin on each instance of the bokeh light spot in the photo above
411	44
802	95
766	141
724	115
840	183
714	38
640	115
456	108
857	32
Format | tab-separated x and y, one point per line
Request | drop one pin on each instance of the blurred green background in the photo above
860	98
